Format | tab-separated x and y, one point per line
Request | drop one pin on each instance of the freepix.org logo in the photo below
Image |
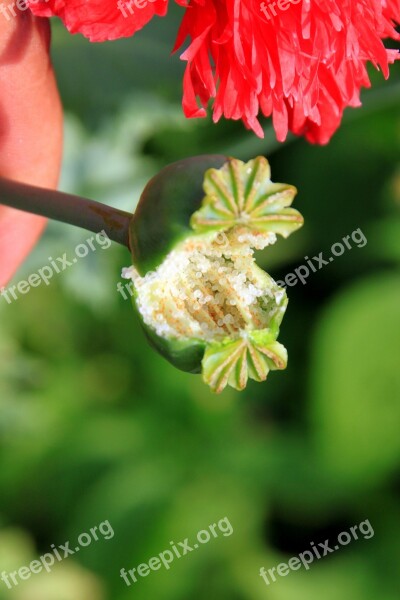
9	11
129	7
270	10
57	266
317	551
102	531
177	550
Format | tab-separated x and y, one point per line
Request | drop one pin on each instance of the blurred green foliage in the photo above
94	425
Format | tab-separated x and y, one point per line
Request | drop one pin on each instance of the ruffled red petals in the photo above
302	64
101	20
300	61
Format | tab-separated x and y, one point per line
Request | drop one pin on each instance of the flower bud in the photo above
203	302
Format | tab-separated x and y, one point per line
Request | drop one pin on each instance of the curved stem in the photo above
67	208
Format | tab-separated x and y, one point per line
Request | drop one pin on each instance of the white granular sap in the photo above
208	290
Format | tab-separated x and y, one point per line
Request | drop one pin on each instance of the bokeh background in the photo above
95	426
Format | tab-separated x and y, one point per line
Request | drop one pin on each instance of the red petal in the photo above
101	20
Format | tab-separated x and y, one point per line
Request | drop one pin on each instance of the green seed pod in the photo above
203	302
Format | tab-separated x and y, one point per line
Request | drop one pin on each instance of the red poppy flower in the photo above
30	129
300	61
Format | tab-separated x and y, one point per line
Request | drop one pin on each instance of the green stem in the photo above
67	208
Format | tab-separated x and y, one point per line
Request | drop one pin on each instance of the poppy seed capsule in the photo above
203	302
